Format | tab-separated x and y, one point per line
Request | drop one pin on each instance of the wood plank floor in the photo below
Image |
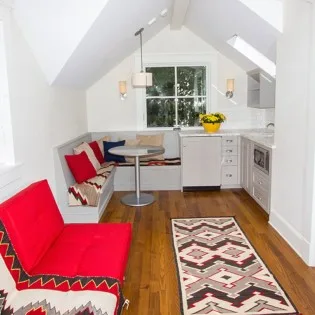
151	280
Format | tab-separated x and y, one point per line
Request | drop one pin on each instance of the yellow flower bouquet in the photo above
211	122
212	118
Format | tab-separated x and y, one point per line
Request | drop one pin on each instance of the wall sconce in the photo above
229	88
123	89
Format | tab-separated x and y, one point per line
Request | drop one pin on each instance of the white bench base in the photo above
151	178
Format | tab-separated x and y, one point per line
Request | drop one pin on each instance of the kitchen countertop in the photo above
262	136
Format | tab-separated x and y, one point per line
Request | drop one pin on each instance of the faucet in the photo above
270	124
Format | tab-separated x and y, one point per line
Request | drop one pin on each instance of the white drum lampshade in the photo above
142	79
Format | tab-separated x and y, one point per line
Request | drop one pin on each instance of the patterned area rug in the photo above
221	273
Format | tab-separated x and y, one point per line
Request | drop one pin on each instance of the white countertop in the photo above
262	136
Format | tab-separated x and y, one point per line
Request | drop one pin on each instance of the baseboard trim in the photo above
295	239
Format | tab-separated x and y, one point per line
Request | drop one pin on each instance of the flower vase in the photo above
210	128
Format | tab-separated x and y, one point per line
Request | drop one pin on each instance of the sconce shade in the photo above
122	87
230	85
142	79
229	88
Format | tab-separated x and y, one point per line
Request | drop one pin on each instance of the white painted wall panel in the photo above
292	169
41	116
106	111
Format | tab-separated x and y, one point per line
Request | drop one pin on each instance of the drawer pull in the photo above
228	175
229	141
229	161
259	198
228	151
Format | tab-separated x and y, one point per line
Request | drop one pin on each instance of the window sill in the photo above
171	129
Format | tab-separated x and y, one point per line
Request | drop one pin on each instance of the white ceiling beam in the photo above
179	13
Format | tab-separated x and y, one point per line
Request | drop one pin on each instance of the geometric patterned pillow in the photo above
88	150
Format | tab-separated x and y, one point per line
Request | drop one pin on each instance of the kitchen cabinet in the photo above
261	89
201	162
230	162
247	152
253	180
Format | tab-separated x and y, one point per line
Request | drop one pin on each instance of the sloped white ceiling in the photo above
111	39
54	28
216	21
76	42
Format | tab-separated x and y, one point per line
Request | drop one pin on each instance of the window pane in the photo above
189	110
191	81
160	112
163	81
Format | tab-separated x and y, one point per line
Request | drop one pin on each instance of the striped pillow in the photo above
86	148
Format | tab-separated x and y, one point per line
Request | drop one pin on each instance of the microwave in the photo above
261	158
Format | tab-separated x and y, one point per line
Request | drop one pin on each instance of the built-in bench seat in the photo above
89	192
78	207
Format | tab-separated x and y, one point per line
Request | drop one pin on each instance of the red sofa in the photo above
47	265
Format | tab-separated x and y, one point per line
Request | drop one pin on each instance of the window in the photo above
6	138
177	97
253	54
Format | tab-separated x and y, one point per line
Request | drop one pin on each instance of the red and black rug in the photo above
220	272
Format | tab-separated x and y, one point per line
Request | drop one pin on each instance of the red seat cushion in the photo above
80	166
97	151
88	250
33	222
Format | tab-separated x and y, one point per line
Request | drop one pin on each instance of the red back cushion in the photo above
80	166
33	222
97	151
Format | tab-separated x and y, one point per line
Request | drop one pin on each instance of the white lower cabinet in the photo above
201	161
230	162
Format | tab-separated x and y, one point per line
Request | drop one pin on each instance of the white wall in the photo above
55	28
107	112
41	116
293	159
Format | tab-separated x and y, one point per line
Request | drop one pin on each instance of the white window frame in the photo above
208	60
6	134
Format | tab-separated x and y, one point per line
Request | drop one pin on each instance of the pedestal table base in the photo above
132	200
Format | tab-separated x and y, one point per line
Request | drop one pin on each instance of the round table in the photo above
138	198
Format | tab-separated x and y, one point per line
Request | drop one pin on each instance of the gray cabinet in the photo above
254	181
246	164
261	89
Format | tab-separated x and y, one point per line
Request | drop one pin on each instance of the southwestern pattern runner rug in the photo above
221	273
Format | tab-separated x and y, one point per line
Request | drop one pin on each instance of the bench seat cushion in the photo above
154	162
88	193
88	250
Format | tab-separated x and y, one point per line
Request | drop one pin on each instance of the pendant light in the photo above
141	79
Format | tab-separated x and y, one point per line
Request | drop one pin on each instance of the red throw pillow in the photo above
97	151
80	166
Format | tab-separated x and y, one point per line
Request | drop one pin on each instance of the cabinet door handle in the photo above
228	175
229	141
260	182
228	151
259	198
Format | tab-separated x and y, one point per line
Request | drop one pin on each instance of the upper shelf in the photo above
261	89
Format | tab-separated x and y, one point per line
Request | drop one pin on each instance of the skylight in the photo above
269	10
253	54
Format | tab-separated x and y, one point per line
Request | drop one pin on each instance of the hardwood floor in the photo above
151	280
